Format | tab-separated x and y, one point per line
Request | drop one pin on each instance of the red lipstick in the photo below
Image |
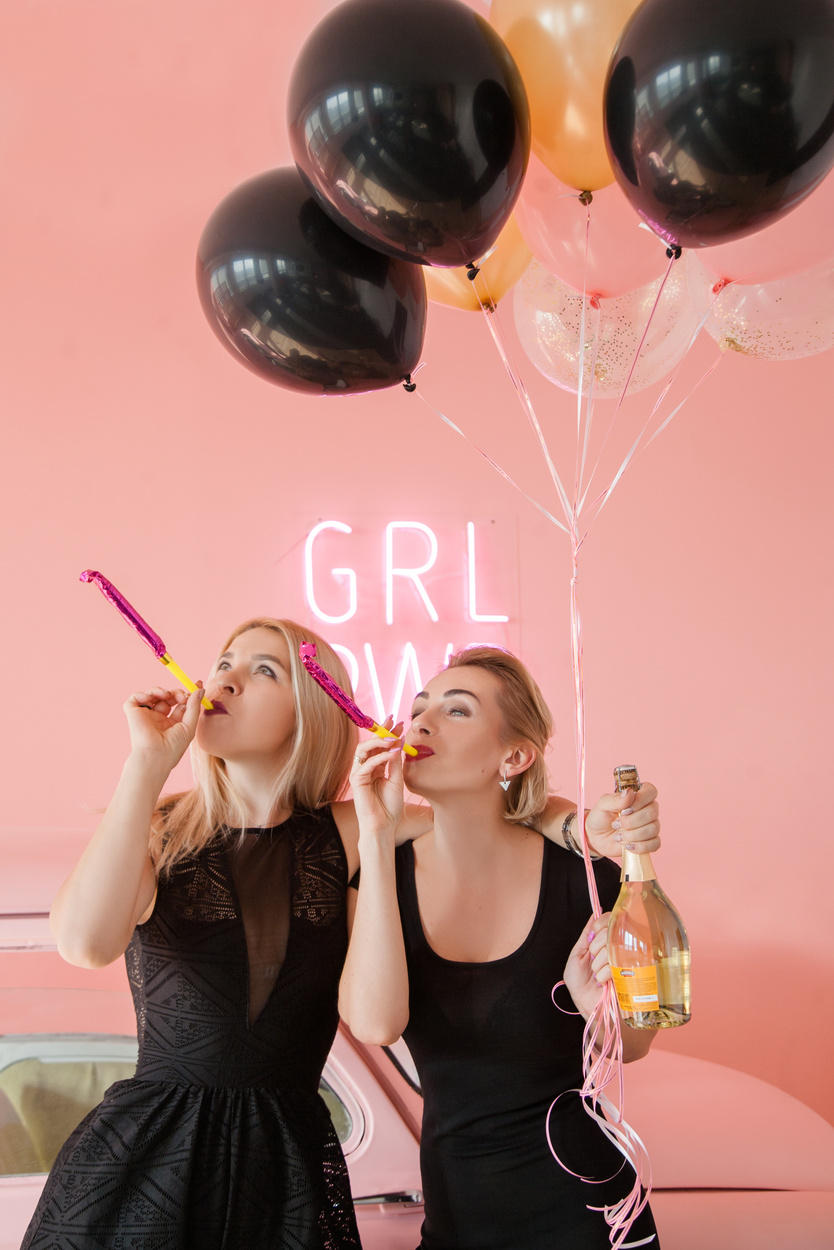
217	709
423	753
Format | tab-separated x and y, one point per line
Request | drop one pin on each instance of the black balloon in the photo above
301	303
719	114
409	120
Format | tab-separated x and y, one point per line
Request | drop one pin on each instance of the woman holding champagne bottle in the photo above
457	941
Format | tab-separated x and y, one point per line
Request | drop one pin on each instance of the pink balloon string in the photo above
580	442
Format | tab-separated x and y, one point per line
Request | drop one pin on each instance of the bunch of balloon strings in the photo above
602	1039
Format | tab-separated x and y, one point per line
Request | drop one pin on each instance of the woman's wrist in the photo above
149	768
572	819
373	841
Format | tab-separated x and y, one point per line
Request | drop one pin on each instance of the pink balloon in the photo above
794	243
623	254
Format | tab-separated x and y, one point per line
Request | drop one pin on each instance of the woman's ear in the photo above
519	759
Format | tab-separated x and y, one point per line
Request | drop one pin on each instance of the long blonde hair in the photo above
526	718
314	774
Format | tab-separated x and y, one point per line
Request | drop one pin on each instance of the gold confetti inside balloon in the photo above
786	319
548	318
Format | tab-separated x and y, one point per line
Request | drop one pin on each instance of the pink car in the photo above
737	1163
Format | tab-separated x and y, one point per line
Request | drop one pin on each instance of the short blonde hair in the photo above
314	774
526	719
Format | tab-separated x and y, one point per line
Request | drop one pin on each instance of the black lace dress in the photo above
221	1140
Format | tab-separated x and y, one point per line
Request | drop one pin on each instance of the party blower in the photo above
307	651
142	628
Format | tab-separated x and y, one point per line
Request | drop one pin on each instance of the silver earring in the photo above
505	784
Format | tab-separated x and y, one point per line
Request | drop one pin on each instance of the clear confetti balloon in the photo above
782	320
548	318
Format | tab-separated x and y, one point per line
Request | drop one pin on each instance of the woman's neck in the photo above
255	787
470	830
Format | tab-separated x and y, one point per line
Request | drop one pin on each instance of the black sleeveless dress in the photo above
221	1140
492	1053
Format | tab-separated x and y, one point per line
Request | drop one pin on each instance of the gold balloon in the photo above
501	270
562	48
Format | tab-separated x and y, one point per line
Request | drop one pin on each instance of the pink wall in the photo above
135	445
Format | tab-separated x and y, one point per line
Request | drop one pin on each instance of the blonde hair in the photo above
526	718
314	774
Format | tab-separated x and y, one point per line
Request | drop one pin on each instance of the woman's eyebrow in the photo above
447	694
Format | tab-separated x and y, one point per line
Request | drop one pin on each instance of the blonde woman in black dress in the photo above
457	941
229	902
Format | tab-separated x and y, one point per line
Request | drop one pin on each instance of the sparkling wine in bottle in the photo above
648	949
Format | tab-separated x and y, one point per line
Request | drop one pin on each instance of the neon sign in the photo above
396	598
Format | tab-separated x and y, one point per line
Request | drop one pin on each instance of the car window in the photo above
48	1083
41	1103
339	1114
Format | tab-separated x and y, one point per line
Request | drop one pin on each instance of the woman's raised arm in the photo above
616	820
113	885
373	994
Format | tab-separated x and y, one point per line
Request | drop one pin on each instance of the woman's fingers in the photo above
592	948
168	703
395	763
629	820
598	949
638	827
374	748
191	709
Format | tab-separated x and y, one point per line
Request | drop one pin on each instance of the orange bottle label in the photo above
636	988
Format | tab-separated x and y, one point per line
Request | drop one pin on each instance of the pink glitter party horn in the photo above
307	651
143	629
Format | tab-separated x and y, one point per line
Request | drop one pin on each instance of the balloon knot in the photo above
408	385
718	286
472	271
586	197
674	253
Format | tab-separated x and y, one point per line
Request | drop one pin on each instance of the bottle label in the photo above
636	988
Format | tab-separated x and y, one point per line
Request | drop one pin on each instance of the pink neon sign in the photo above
395	597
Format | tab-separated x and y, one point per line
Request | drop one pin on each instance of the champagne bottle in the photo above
648	949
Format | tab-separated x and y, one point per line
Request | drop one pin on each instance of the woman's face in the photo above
457	723
252	685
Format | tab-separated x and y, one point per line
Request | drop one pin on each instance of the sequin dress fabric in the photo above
221	1140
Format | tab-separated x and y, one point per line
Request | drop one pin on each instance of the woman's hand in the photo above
378	797
630	821
587	968
162	724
